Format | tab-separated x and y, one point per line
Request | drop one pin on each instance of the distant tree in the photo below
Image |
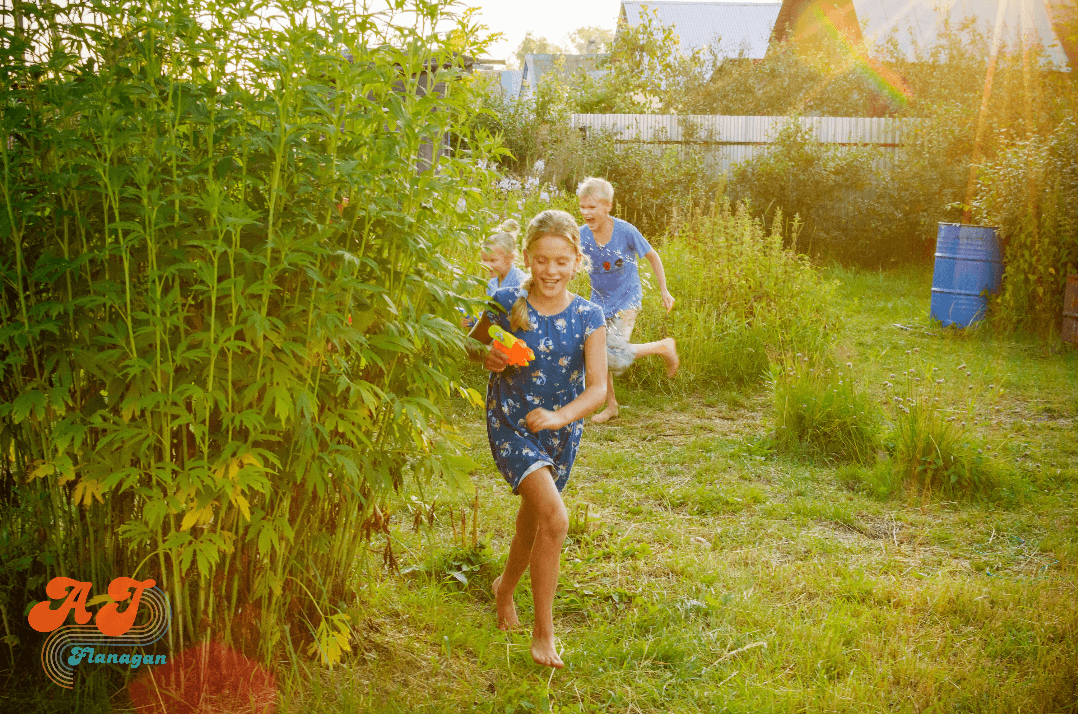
647	68
591	40
532	45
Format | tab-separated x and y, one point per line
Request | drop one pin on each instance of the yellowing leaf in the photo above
44	470
197	516
241	503
103	597
189	519
86	490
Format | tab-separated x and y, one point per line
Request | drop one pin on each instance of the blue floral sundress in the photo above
553	379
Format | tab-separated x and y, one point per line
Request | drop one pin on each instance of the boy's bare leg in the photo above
611	410
667	348
520	554
541	497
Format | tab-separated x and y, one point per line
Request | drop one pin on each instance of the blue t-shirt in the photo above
513	279
615	284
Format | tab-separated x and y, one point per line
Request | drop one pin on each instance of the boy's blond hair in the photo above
547	223
597	188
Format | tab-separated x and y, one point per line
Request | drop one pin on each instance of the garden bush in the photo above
742	299
1031	193
227	322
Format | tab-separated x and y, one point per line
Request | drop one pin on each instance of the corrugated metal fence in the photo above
728	140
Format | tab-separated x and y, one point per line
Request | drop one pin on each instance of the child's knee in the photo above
556	521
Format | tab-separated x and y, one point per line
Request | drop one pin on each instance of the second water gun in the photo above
516	351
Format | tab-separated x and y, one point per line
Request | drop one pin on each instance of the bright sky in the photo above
552	19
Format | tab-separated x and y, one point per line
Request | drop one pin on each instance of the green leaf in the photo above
27	402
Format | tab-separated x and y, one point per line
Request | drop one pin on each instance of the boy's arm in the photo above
660	275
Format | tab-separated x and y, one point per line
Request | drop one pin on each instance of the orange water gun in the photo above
516	351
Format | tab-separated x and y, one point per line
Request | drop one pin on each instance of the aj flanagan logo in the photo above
111	627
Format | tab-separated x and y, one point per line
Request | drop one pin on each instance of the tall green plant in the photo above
1031	193
227	317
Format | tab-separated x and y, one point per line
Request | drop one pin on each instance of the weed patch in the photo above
822	411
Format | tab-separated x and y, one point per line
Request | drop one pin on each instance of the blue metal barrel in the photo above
969	264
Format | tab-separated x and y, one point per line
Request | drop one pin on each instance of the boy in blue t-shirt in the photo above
613	246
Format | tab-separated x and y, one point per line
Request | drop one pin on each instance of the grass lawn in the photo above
703	572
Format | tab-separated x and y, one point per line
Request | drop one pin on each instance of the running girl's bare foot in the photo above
543	652
507	609
605	415
670	355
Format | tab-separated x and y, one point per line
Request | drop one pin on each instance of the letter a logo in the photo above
44	619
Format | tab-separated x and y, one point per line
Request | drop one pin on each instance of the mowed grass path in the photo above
704	573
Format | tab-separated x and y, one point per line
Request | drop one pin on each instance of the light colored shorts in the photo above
619	351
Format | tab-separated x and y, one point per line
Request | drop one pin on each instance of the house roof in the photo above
731	28
917	24
535	66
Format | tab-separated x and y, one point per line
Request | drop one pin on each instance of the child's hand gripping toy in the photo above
515	350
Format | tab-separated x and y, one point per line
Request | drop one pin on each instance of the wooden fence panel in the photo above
729	140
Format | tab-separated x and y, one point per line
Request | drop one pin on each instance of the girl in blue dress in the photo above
535	412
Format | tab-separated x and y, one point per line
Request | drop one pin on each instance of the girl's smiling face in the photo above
595	211
497	261
553	261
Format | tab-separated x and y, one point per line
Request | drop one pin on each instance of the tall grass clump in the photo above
742	299
822	412
935	449
226	326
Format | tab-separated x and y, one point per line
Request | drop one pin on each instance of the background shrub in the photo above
1031	192
741	299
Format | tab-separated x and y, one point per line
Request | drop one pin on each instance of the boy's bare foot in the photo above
605	415
670	355
507	609
543	653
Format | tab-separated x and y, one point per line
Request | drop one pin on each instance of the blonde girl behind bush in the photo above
499	256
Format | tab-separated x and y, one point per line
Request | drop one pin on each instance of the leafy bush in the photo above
821	410
826	187
1031	193
795	78
741	297
224	334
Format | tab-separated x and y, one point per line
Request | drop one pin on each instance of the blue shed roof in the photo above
731	28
